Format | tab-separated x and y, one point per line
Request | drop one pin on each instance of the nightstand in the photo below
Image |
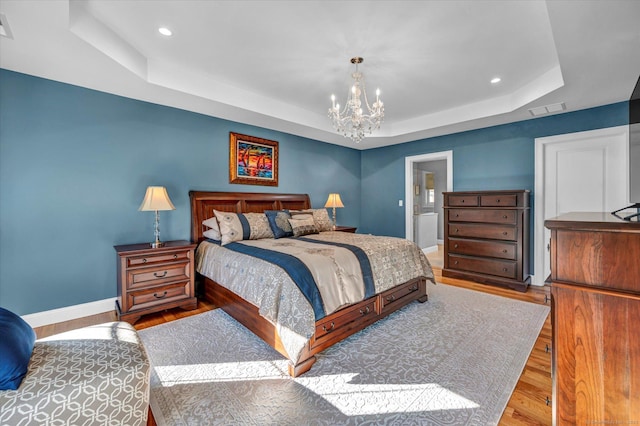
154	279
351	229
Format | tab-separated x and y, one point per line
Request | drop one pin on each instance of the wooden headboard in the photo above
204	203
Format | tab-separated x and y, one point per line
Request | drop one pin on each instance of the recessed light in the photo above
165	31
496	80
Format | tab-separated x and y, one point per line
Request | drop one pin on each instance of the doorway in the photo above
412	207
577	172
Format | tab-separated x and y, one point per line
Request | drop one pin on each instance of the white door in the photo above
578	172
409	188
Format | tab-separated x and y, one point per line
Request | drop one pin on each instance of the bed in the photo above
285	320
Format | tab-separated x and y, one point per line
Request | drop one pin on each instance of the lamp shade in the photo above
334	201
156	198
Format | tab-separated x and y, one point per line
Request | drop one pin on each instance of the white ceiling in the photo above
276	63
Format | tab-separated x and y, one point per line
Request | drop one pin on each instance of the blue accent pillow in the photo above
279	223
16	346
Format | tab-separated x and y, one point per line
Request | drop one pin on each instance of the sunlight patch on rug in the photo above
350	399
357	399
452	360
171	375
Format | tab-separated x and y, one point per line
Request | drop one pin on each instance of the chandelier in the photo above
352	122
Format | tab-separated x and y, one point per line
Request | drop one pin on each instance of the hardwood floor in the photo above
528	403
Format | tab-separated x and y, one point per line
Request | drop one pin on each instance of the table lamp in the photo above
334	201
156	199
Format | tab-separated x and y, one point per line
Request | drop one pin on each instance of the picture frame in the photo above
252	160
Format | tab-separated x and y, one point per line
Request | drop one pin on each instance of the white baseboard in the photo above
535	282
430	249
54	316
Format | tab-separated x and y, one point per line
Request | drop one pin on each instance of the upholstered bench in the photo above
90	376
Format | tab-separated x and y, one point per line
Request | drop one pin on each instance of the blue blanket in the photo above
300	274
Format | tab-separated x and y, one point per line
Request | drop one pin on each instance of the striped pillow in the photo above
242	226
303	224
320	217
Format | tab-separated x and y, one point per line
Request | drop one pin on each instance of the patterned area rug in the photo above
453	360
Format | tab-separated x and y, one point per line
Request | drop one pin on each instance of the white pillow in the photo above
211	234
214	232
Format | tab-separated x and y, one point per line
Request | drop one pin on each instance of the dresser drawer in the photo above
463	200
153	276
493	232
483	248
483	216
506	200
389	297
145	298
500	268
151	259
345	316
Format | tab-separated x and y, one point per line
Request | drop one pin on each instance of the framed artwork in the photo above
252	160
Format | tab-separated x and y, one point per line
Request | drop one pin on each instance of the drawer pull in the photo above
164	274
327	330
457	215
160	296
456	230
413	287
391	298
504	233
498	200
175	256
455	246
504	216
455	263
504	269
365	312
504	251
144	260
462	201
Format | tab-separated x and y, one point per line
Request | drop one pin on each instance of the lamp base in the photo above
157	244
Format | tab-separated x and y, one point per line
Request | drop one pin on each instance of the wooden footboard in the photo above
329	330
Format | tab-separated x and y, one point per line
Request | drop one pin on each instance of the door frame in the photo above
539	208
408	183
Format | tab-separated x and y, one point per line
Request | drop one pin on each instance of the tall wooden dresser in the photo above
486	237
595	305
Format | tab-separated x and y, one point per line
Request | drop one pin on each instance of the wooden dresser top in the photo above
592	221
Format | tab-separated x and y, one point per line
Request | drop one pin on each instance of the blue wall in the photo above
500	157
74	166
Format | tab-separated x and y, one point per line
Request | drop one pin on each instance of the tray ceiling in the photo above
276	63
